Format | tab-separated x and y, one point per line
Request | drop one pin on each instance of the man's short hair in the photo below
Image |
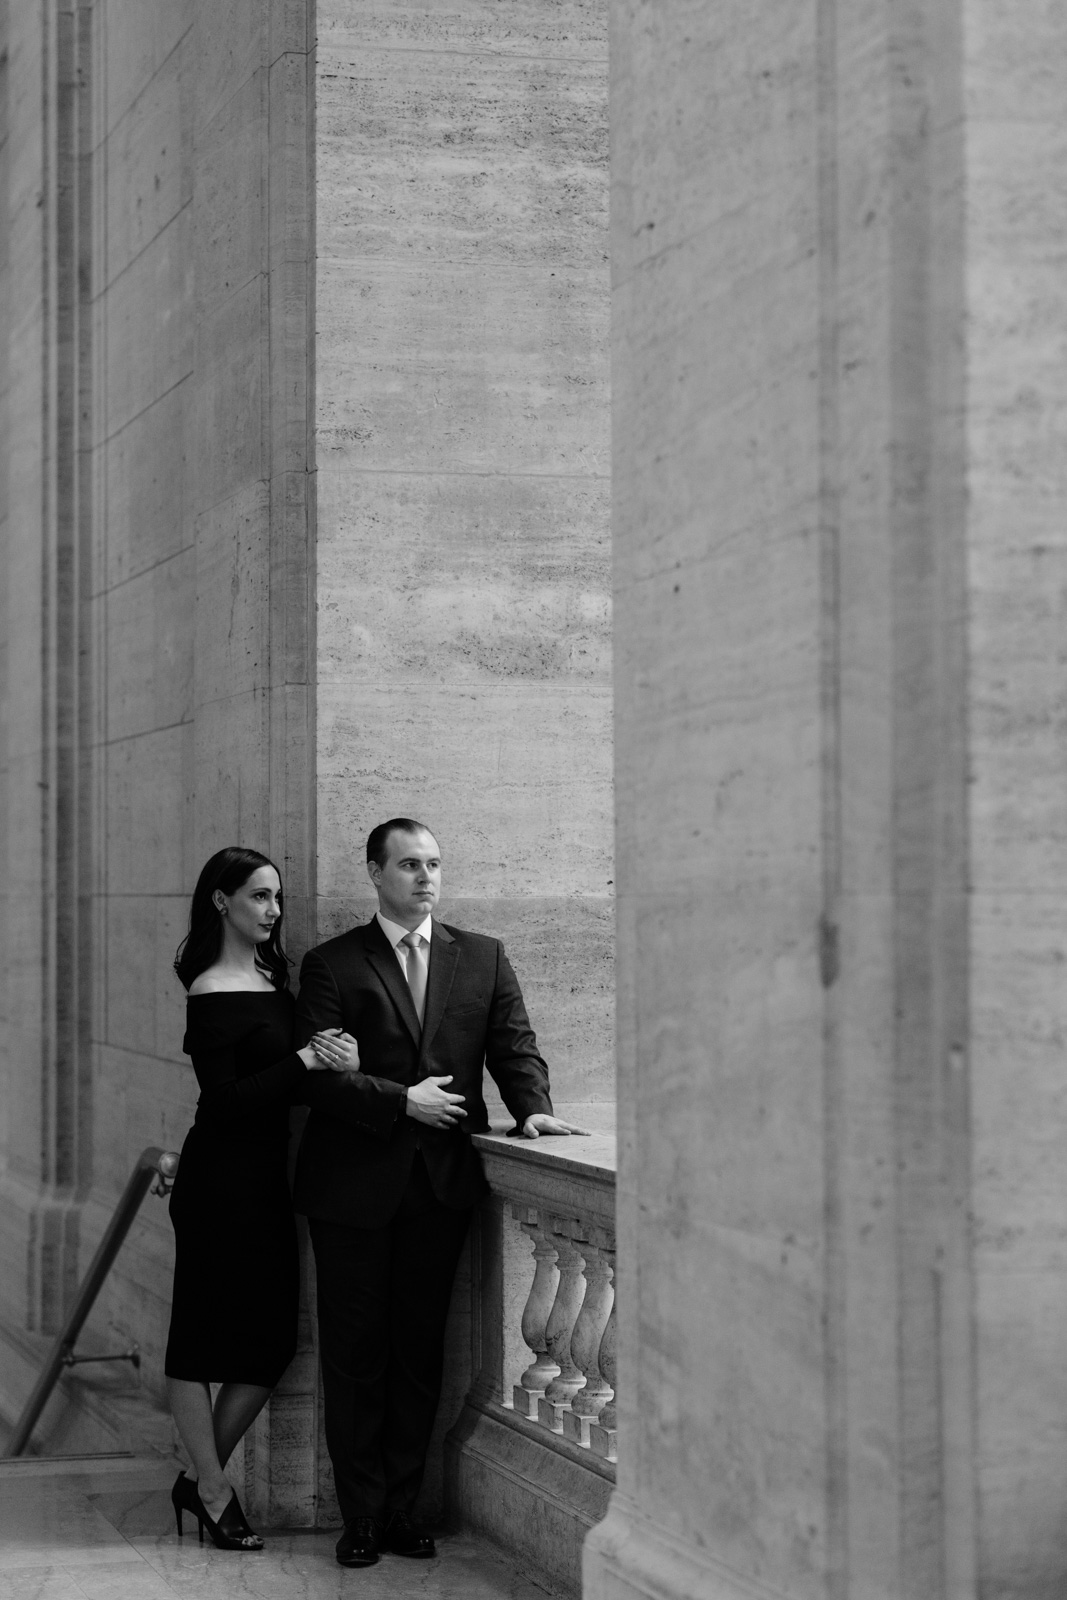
378	838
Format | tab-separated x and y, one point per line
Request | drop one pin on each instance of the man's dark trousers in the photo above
383	1297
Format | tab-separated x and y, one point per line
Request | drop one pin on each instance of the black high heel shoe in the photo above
230	1532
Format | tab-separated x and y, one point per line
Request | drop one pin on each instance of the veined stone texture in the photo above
462	565
839	346
1015	67
155	505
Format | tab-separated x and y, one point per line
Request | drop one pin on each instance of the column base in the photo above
527	1489
626	1557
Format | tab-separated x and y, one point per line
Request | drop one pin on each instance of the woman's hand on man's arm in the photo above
332	1050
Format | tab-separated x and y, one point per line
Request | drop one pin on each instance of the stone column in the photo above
1016	238
840	1001
50	731
252	489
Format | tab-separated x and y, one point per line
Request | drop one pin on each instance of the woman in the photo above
233	1317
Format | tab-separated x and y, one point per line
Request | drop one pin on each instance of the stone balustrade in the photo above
565	1324
533	1457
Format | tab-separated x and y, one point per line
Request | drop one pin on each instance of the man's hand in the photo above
429	1102
541	1123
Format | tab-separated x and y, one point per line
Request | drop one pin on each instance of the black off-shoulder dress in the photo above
236	1283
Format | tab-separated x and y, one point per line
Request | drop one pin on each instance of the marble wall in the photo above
140	525
1017	614
838	488
462	566
161	184
838	333
159	200
21	975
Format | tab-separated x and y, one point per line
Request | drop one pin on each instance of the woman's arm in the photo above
356	1097
226	1100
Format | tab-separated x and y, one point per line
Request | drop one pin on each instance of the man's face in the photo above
409	884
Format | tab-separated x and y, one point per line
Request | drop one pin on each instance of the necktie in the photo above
415	967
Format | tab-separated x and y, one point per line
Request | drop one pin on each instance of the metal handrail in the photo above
152	1163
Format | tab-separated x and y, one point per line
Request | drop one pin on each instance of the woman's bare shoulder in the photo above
215	980
209	982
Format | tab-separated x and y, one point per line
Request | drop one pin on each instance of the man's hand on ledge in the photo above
541	1123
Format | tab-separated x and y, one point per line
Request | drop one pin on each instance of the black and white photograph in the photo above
533	799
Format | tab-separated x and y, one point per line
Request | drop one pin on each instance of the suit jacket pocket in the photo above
469	1008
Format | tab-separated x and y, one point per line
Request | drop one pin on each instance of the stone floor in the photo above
102	1529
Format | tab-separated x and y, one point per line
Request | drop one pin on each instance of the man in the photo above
387	1174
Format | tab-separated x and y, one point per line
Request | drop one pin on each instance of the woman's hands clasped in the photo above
331	1051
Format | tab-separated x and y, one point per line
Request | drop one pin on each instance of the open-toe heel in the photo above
231	1531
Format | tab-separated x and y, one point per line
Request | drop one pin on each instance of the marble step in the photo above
102	1528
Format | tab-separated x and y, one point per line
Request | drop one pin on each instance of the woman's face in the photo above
253	909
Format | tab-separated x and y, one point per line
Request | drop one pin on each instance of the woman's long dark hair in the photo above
227	870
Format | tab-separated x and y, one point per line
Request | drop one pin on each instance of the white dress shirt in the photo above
395	933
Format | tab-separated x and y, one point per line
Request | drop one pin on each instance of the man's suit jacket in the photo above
357	1149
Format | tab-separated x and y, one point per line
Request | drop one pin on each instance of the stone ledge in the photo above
546	1172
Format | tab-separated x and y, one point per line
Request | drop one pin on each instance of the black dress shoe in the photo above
401	1536
358	1545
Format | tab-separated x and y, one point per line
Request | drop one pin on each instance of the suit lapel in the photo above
444	953
382	958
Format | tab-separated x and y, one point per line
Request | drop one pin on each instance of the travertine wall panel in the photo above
479	370
233	581
137	43
149	165
150	677
1017	415
5	535
491	168
521	742
476	578
235	46
229	437
23	699
794	1339
230	162
133	971
569	32
461	430
156	213
148	340
146	489
146	798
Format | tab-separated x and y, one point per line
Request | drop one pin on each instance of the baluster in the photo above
602	1431
569	1295
590	1400
534	1381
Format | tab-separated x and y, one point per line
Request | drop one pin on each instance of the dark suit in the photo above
388	1197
